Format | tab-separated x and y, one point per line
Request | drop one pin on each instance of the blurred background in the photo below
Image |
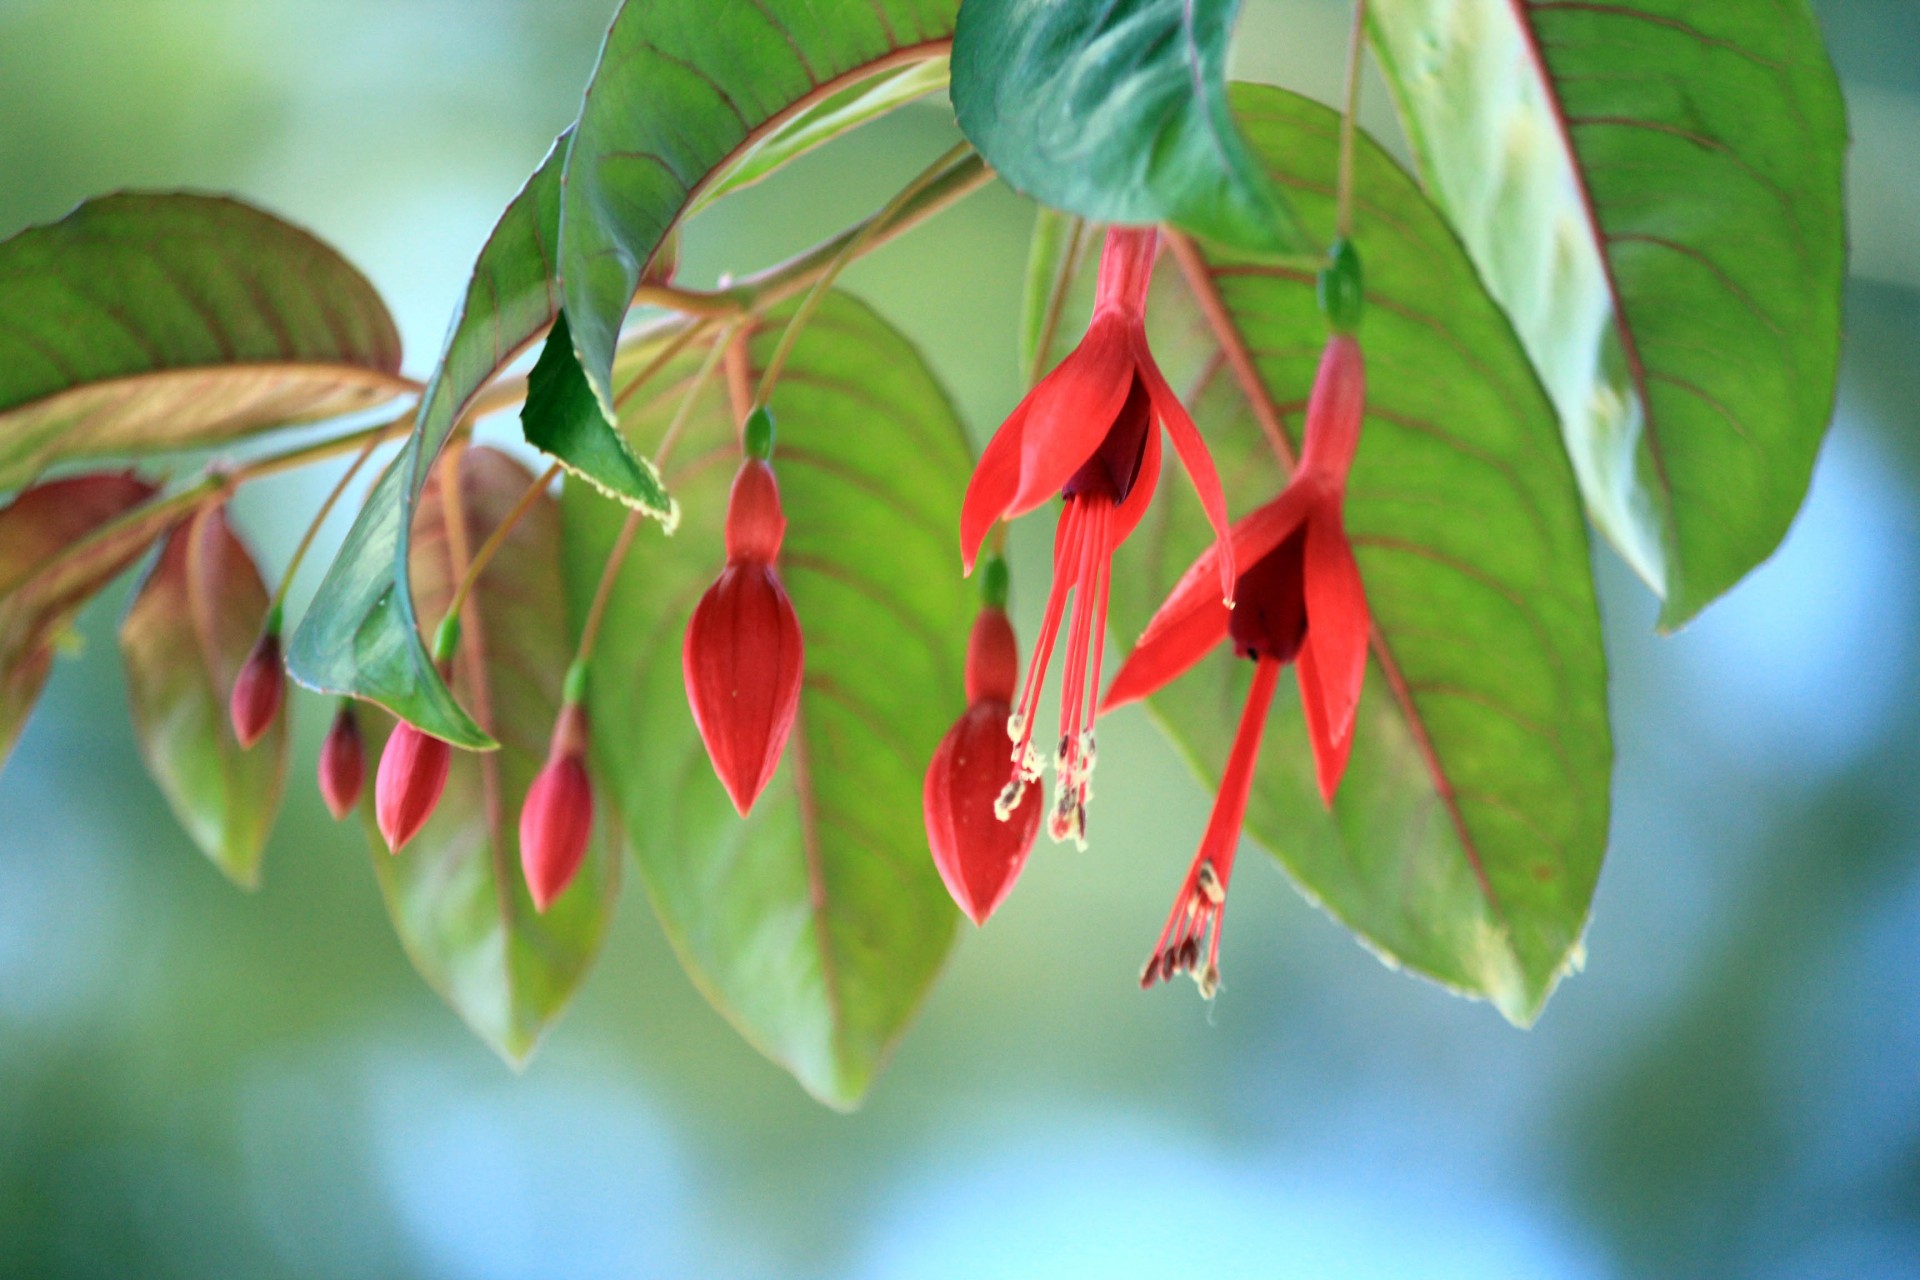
199	1083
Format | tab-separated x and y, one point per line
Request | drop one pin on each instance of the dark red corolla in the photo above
1299	599
1086	432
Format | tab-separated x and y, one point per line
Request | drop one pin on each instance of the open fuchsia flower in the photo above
1299	600
743	654
978	853
343	762
413	773
1086	432
557	819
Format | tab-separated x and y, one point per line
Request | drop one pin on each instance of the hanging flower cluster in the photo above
1282	587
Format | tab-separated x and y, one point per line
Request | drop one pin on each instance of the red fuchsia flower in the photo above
743	654
343	763
259	689
557	819
413	773
1299	600
978	853
1086	432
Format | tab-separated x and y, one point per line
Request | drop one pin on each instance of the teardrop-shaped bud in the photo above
978	854
258	691
413	772
755	523
343	763
557	818
742	661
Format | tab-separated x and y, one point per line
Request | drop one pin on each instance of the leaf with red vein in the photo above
1652	191
818	923
189	629
1469	830
143	323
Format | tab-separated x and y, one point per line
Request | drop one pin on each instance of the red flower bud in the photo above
258	691
743	654
413	772
978	853
343	763
557	818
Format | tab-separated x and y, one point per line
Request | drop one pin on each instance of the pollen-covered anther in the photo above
1009	798
1209	886
1208	980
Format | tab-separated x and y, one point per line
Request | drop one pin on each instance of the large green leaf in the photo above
817	924
1116	112
685	93
456	893
361	635
561	419
1652	191
60	542
1469	830
140	323
184	638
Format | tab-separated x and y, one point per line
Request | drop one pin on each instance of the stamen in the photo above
1209	885
1208	980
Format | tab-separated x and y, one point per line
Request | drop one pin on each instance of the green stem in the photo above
847	253
1343	222
313	528
478	565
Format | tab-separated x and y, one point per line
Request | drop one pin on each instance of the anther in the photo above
1209	885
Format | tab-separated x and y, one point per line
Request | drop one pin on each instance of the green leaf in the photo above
456	892
818	124
561	419
141	323
1652	191
686	90
1117	113
362	635
60	543
1058	242
1468	833
184	638
817	924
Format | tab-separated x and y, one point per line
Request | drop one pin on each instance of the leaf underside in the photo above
143	323
1652	191
817	924
184	638
60	543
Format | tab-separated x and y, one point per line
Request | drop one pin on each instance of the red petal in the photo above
993	658
1338	626
1187	442
755	523
978	856
413	773
1329	750
742	662
555	824
1070	412
996	478
1193	618
1335	409
1133	508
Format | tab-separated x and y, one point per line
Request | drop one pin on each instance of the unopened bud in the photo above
557	819
258	691
343	763
413	773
